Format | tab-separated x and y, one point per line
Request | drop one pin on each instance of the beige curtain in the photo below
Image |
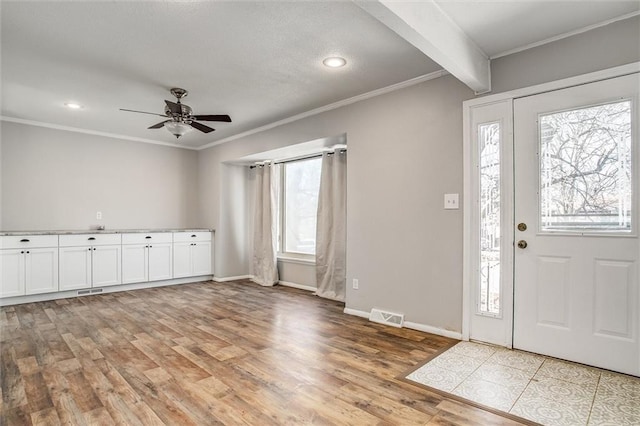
265	271
331	235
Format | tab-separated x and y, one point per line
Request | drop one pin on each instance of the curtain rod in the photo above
306	157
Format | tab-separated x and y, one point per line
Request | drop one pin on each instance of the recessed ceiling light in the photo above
334	62
72	105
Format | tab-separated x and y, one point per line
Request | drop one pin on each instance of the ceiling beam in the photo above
427	27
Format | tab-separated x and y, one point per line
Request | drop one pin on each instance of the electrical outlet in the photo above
355	284
451	201
99	215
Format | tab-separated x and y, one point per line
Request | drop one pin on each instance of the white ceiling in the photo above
259	62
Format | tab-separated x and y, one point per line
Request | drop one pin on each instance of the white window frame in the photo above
294	257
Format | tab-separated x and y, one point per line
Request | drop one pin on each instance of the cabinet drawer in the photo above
89	240
185	237
151	237
28	241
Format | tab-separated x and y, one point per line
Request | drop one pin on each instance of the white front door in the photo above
576	284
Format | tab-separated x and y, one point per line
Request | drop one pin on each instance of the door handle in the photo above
522	244
522	227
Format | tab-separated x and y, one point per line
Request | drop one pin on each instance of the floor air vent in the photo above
388	318
89	291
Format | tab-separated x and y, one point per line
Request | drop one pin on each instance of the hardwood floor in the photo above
214	353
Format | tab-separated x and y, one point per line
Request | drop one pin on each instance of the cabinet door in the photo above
182	260
160	261
201	258
12	273
106	266
75	268
41	272
134	263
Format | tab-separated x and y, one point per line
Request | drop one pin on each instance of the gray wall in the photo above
609	46
54	179
405	153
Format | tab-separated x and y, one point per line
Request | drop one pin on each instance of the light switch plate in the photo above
451	201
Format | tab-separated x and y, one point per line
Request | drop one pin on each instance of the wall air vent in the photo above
385	317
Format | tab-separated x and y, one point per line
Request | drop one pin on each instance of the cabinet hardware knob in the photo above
24	240
150	246
91	238
94	249
27	252
89	249
193	235
22	252
147	237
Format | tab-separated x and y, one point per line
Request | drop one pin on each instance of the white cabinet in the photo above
28	265
36	264
160	261
90	260
41	270
146	257
191	254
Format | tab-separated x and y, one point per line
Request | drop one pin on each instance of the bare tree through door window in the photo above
585	169
490	212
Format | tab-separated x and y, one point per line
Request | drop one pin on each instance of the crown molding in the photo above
90	132
329	107
565	35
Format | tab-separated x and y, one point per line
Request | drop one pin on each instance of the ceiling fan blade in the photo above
174	107
159	125
224	118
201	127
142	112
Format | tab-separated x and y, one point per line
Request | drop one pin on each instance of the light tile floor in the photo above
545	390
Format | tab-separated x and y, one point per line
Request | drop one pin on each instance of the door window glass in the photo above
585	169
489	145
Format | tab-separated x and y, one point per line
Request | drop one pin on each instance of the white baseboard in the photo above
95	291
295	285
225	279
411	325
356	313
433	330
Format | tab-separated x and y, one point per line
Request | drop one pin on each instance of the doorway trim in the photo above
471	211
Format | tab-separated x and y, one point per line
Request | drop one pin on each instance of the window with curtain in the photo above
300	184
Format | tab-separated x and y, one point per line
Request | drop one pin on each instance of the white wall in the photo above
55	179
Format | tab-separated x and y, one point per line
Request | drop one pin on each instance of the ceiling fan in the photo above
181	119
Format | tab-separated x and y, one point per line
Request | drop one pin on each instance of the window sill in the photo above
301	261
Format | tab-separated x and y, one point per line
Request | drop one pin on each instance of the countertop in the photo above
105	231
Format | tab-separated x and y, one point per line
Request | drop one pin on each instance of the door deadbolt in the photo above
522	227
522	244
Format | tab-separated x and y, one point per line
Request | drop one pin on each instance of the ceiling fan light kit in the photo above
181	118
177	128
